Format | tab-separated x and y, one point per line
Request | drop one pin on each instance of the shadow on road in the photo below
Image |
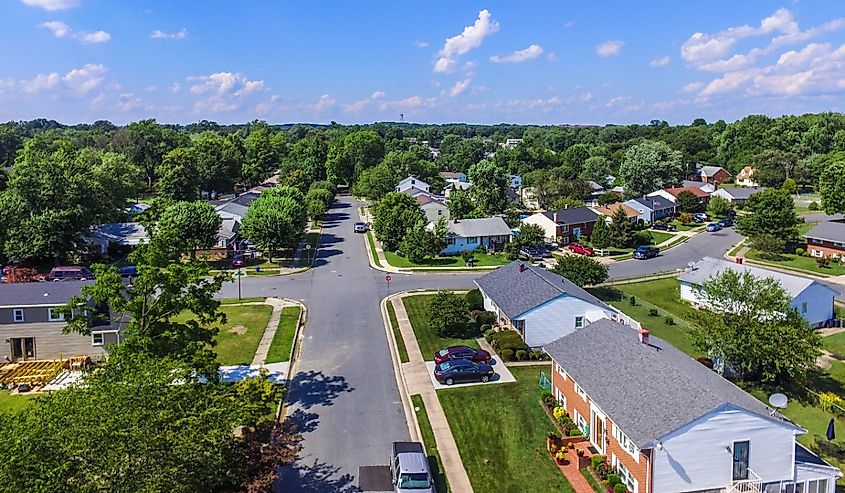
303	422
334	218
315	478
313	388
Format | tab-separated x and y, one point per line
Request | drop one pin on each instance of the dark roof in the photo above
648	390
654	203
741	192
33	293
828	230
516	292
573	215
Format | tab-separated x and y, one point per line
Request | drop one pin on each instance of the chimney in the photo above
644	336
521	267
554	216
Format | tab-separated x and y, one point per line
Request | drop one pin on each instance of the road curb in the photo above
294	353
404	396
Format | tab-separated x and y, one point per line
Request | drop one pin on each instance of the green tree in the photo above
596	168
316	209
420	244
448	315
650	166
773	166
582	270
179	177
601	235
530	235
769	246
261	156
719	206
489	187
187	227
218	162
376	182
832	188
393	216
355	152
771	212
621	229
755	329
789	186
460	204
145	143
688	202
276	219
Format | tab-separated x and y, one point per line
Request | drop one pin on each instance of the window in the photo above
804	307
54	316
560	369
472	240
579	322
740	460
17	314
561	398
626	443
439	212
788	488
450	241
565	228
817	253
97	339
817	486
625	475
580	422
580	392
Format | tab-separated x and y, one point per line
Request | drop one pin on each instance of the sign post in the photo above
308	253
240	273
387	278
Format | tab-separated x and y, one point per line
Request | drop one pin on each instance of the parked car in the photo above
462	352
660	225
238	260
534	252
70	272
727	222
582	249
128	271
700	217
713	227
462	370
645	252
409	470
360	227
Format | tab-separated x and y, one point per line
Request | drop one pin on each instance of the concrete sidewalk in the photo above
417	381
269	331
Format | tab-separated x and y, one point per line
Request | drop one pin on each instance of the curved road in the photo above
344	395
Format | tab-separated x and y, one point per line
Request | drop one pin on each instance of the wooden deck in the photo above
32	372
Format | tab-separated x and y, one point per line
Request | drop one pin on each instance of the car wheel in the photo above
449	381
485	378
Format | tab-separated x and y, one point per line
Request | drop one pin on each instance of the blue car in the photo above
462	370
713	227
128	271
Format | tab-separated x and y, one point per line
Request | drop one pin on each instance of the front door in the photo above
23	348
576	232
740	462
597	431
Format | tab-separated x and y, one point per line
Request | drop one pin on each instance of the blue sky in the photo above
437	61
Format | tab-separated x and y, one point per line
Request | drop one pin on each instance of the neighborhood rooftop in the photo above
572	215
40	293
708	268
741	192
485	226
649	390
519	287
828	230
711	170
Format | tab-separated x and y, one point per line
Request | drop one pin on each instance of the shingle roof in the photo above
424	199
610	209
708	267
121	233
516	292
453	175
647	390
712	170
828	230
485	226
40	293
233	209
741	192
698	192
573	215
654	203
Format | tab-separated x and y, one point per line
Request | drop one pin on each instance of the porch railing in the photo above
754	484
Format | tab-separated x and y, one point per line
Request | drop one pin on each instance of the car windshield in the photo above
443	352
414	481
446	365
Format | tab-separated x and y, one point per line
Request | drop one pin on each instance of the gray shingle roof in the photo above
712	170
33	293
741	192
233	209
828	230
647	390
655	203
485	226
121	233
516	292
573	215
708	268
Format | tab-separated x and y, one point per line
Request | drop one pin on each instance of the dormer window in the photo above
17	315
54	315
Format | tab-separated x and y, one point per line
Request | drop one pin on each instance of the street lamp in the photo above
239	274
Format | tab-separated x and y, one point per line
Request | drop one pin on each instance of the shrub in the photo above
620	488
474	299
480	250
466	255
575	432
686	218
670	321
559	412
643	238
488	334
506	354
632	300
822	262
596	460
485	318
521	354
447	315
613	480
814	206
507	339
799	251
653	312
535	354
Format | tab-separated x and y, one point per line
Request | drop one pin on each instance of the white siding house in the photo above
813	300
412	182
558	317
490	233
433	208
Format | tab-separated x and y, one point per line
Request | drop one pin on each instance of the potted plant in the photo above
580	452
560	457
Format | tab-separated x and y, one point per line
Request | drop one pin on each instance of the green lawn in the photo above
434	462
283	339
372	244
686	227
235	301
800	262
501	433
835	343
481	260
233	348
13	403
662	295
660	237
428	340
394	325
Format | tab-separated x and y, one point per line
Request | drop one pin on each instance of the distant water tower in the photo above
401	117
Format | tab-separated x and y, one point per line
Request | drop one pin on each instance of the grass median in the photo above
430	444
397	334
283	341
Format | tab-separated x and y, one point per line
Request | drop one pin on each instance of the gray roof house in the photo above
120	234
736	195
541	305
490	233
669	423
826	239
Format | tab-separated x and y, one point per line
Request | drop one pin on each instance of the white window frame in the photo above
565	228
625	443
580	392
803	307
100	336
560	371
560	397
579	322
625	475
52	316
579	420
472	240
15	313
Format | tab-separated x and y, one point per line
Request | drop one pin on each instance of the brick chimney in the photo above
554	216
521	267
644	336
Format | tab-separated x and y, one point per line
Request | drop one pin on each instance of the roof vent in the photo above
521	267
644	336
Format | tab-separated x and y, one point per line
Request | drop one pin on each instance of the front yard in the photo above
12	403
501	434
428	340
238	338
481	260
801	263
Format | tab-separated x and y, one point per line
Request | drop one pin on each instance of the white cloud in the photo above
660	62
470	38
41	82
62	30
568	24
377	95
420	43
692	87
325	102
459	87
529	53
178	35
609	48
551	56
358	106
84	80
617	101
128	102
52	4
175	88
226	91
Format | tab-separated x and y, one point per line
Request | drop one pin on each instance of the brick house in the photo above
667	423
565	224
713	174
826	239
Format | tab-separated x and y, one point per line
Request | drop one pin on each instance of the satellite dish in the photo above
778	401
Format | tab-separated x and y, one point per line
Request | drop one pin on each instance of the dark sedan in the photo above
462	370
461	352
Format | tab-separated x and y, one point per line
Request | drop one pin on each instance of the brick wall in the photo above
827	249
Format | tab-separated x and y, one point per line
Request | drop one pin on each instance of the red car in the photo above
461	352
583	250
238	261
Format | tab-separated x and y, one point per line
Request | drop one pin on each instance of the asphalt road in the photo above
344	395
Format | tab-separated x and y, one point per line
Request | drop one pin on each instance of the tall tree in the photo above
187	227
261	156
145	143
276	219
218	162
689	202
460	204
582	270
393	216
352	154
832	188
772	212
621	229
596	168
719	206
376	182
179	177
489	187
650	166
600	237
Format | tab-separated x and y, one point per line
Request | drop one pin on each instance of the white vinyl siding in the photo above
555	319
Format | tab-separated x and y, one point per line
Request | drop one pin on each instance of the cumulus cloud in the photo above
471	37
618	100
660	62
52	5
85	79
178	35
62	30
420	43
609	48
459	87
551	56
518	56
223	91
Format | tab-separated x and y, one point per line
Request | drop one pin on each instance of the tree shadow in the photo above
302	421
606	293
314	388
332	219
315	478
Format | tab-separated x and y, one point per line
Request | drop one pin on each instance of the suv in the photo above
662	226
727	222
645	251
70	272
409	469
360	227
535	252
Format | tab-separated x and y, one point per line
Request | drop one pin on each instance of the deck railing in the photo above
754	484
